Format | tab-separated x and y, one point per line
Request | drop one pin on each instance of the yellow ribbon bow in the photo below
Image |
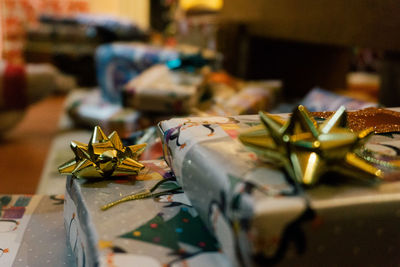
104	156
308	150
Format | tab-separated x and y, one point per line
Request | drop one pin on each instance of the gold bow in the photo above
307	150
103	157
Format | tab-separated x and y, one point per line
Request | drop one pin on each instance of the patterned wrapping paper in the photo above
32	231
260	216
159	89
147	232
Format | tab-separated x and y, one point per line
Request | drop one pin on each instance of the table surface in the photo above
24	149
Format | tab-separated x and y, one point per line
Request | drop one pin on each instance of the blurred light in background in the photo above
136	10
209	4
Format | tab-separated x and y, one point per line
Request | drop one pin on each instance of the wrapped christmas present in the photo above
164	230
32	231
159	89
319	100
118	63
253	96
231	96
286	189
88	109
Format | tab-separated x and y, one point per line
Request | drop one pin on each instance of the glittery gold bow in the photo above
307	150
103	157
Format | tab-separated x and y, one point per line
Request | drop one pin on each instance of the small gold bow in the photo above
103	157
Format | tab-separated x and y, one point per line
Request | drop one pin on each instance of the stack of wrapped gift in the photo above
260	211
118	63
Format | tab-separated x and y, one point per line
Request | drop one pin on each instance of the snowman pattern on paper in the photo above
198	127
3	251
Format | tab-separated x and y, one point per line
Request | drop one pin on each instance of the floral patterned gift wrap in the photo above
161	231
261	216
